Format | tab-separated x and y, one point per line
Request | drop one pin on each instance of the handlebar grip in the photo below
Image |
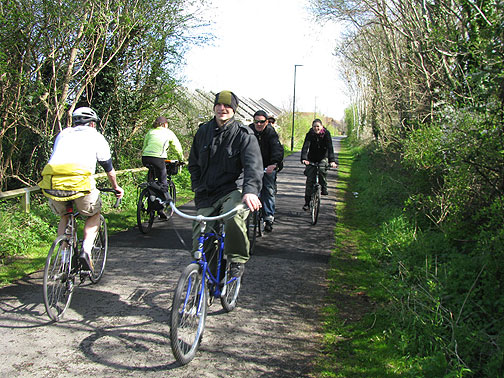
117	203
111	190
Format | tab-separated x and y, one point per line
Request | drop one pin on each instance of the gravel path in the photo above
119	328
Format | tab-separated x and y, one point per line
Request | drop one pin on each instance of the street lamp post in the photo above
294	106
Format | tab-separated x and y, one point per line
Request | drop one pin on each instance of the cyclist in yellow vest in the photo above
158	142
68	175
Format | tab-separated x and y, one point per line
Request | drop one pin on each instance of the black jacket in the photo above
317	147
218	156
272	151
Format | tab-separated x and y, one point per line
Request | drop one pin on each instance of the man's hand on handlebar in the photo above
270	168
252	201
332	164
119	192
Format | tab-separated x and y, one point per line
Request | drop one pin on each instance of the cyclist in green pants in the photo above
222	150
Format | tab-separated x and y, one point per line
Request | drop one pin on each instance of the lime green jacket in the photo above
157	142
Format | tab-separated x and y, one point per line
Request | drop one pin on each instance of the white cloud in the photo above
257	45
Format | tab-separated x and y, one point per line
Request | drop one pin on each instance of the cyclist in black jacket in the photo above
222	149
317	148
272	156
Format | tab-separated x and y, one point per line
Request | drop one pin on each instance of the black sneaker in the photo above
268	226
85	261
324	192
237	269
306	206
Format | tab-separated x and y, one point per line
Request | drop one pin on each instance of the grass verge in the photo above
359	322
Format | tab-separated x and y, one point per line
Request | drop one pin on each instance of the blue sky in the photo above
257	43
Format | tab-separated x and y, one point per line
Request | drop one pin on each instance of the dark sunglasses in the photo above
258	122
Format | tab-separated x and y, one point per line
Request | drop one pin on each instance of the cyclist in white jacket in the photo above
68	175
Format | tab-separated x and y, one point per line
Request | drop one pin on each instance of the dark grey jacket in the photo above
218	156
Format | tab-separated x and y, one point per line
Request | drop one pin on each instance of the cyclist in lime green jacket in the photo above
158	142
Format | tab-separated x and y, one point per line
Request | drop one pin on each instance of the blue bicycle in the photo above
206	278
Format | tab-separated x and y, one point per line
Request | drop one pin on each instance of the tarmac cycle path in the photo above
120	327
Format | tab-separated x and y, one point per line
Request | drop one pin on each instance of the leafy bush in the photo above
446	291
23	231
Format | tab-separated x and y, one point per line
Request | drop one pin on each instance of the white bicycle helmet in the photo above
84	115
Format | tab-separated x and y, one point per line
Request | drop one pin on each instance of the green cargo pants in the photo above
236	245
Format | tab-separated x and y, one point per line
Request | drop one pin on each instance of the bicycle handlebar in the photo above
110	190
201	218
176	162
317	164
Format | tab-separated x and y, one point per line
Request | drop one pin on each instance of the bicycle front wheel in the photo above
99	251
230	290
188	314
315	205
58	283
145	215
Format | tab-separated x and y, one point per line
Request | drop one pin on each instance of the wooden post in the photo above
25	201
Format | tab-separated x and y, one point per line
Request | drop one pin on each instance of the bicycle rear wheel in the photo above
188	314
252	229
145	215
58	283
230	291
99	251
173	194
315	205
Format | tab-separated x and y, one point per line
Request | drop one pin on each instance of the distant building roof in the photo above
246	108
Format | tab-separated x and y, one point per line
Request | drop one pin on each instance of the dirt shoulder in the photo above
119	328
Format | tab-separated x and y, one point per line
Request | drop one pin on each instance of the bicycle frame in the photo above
200	256
316	185
63	268
71	227
73	237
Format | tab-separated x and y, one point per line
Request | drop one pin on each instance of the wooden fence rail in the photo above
24	193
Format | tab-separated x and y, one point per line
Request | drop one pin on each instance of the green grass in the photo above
28	237
361	338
